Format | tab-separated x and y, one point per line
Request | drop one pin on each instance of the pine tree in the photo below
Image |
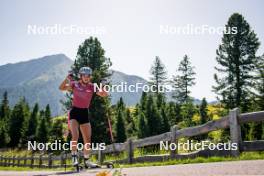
142	128
236	57
259	83
259	127
174	113
4	120
203	112
152	116
182	82
120	126
42	129
121	105
165	120
91	53
159	75
33	123
16	124
26	114
4	109
143	102
187	111
56	132
129	123
4	136
48	114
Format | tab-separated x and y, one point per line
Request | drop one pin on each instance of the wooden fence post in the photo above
4	160
130	151
13	160
1	160
63	158
50	160
9	161
235	131
100	156
173	141
18	161
40	160
32	160
25	161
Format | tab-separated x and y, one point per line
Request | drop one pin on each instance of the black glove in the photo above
103	82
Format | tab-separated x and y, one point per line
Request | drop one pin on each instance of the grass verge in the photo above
243	156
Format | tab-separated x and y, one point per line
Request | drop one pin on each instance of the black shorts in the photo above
80	114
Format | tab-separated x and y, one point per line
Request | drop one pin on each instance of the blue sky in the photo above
132	35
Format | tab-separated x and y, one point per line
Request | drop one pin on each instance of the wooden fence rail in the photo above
232	121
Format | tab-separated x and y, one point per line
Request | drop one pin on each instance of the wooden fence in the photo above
233	121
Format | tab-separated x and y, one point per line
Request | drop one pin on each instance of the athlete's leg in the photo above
86	134
74	133
74	125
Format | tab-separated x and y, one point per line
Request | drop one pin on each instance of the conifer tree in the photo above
152	116
42	129
182	82
4	136
17	123
142	128
236	57
259	83
4	121
165	120
158	75
33	123
4	109
120	126
129	123
203	112
174	113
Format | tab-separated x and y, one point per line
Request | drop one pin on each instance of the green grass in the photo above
243	156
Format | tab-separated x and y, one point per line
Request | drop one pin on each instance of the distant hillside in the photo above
130	98
38	81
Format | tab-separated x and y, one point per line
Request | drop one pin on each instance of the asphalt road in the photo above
252	167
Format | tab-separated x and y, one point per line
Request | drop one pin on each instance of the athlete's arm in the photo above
65	85
102	92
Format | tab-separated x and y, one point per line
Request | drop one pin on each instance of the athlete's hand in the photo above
70	76
103	82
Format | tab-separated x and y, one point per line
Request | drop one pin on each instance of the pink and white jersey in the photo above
82	95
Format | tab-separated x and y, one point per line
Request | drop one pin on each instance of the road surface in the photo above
252	167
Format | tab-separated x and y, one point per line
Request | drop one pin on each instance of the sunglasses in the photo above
86	75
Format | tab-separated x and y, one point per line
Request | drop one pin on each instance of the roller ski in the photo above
90	165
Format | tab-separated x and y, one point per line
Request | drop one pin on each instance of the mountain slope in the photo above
38	81
130	98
